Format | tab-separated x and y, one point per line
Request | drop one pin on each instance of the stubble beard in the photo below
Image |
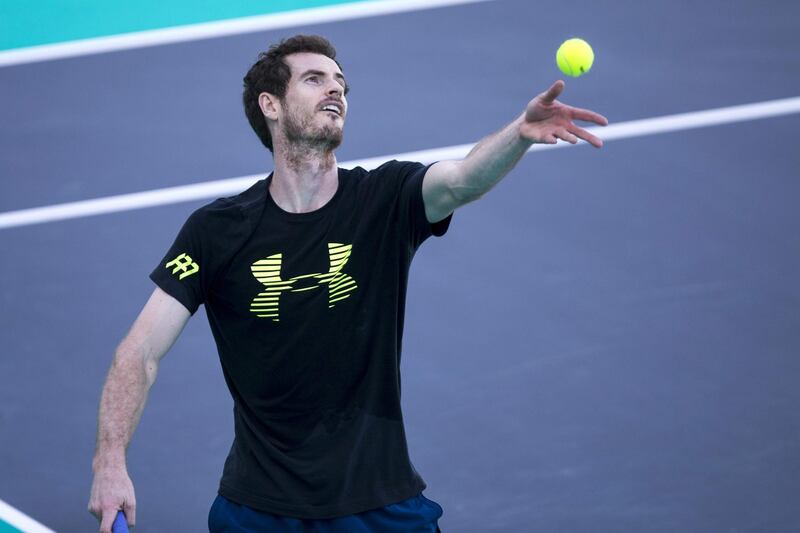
303	133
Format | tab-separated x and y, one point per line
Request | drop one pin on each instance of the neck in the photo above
304	179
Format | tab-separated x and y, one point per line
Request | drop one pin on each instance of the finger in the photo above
107	520
549	96
588	116
565	135
594	140
130	513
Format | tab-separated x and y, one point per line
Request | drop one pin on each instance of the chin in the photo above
332	137
327	137
334	142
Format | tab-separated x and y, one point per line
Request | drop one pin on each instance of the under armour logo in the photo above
184	264
268	272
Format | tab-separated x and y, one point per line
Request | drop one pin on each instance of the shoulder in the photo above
224	224
238	208
395	167
387	171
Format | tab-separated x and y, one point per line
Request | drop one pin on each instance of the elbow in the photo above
136	360
465	185
464	194
150	371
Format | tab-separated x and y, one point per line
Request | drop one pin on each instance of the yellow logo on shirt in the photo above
268	272
184	264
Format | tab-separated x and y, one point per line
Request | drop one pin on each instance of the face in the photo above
314	107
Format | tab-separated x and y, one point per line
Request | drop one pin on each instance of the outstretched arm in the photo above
451	184
132	373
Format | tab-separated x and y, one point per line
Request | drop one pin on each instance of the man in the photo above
304	278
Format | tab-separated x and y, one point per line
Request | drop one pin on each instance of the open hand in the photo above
547	120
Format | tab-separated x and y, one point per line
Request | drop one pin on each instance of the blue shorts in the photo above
417	515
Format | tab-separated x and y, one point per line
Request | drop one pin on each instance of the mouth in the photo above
333	107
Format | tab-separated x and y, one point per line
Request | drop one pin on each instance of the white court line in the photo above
226	187
21	521
222	28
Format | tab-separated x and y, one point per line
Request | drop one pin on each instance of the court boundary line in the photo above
226	187
220	28
20	520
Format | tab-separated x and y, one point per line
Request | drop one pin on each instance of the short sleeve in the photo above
187	269
412	205
182	273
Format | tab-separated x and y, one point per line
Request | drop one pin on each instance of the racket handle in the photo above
120	525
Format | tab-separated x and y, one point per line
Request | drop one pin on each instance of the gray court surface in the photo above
607	342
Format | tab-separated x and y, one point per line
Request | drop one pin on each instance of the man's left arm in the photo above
450	184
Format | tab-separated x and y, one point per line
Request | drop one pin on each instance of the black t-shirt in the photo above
307	313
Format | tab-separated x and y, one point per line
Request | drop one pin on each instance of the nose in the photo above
334	88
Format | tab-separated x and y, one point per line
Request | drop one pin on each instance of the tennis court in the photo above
606	342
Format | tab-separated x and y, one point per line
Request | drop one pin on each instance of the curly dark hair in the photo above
271	74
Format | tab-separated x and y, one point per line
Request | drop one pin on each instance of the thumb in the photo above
549	96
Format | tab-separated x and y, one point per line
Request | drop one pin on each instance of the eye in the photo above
313	79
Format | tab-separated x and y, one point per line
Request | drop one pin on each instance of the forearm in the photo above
450	184
489	161
121	404
132	373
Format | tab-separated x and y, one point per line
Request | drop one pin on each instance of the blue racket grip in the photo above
120	525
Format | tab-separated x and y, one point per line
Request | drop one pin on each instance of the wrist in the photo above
109	459
519	137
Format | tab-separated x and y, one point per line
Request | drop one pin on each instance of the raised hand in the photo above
547	120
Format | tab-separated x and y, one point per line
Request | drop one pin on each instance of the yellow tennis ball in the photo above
575	57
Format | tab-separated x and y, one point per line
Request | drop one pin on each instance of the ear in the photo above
269	104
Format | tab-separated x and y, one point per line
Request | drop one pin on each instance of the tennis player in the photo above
304	279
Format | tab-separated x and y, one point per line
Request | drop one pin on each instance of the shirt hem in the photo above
321	512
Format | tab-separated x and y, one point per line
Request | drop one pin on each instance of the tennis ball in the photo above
575	57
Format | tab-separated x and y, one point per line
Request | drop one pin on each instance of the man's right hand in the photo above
112	491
